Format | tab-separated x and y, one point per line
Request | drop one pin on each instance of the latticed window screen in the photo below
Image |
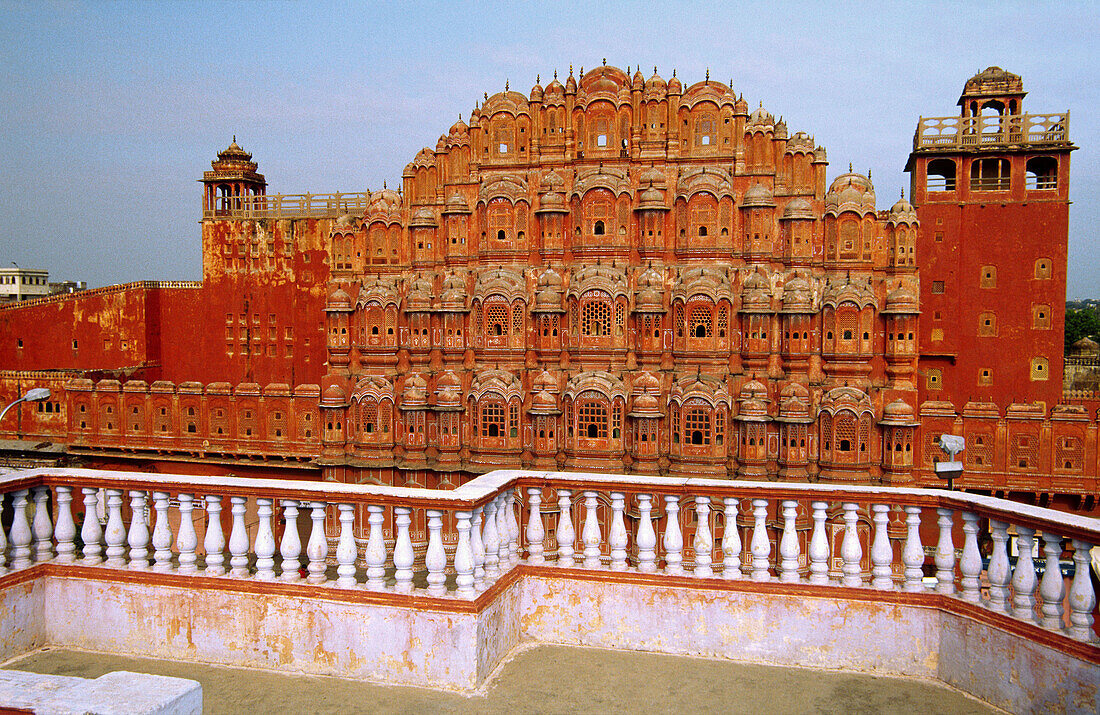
384	418
620	318
697	425
931	449
492	419
845	434
719	426
979	450
513	420
700	321
517	319
595	317
496	318
592	416
1071	453
1024	452
825	420
722	321
679	318
368	417
847	324
616	420
864	433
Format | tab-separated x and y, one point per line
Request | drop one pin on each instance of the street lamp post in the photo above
35	394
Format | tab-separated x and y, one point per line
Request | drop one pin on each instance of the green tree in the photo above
1082	323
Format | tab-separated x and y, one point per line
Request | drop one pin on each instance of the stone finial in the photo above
707	78
605	62
505	85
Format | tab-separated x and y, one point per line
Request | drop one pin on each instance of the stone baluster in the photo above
3	543
945	554
590	534
564	533
999	571
477	547
1023	577
214	541
21	535
673	541
513	501
65	531
1082	597
850	550
91	531
731	540
1052	589
760	546
818	550
290	546
703	543
647	538
187	540
535	532
238	539
435	560
162	534
503	544
403	556
317	545
617	538
43	527
788	543
913	552
375	553
882	554
346	550
265	540
970	565
464	554
115	533
138	536
491	540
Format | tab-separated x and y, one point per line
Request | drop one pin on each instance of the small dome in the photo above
536	93
646	381
761	116
423	217
797	296
456	205
570	83
334	396
415	393
543	402
552	201
901	300
638	81
898	409
545	382
781	129
419	297
555	92
655	83
741	107
903	212
850	192
674	85
458	128
338	300
652	199
798	209
758	196
652	176
753	390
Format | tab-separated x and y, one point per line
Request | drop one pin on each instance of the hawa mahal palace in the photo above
612	273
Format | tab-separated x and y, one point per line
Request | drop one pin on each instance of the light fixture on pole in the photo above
35	394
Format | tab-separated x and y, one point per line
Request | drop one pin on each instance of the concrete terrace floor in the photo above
545	679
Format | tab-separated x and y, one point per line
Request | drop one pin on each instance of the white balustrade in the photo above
818	550
162	534
21	535
647	538
504	540
491	540
760	546
514	501
1023	576
214	541
265	540
91	531
850	551
435	560
999	571
673	541
882	554
970	565
535	532
788	543
115	533
731	540
65	531
564	532
617	538
1082	597
346	551
403	550
317	544
1052	588
912	553
590	535
3	543
138	535
43	527
703	543
238	538
477	546
945	554
375	553
464	555
187	541
290	546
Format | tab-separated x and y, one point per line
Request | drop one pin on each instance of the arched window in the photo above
491	419
990	175
696	422
1042	173
598	229
1040	317
1040	369
941	175
595	314
592	411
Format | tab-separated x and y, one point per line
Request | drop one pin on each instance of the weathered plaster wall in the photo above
21	619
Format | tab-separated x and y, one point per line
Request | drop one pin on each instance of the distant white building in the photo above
23	283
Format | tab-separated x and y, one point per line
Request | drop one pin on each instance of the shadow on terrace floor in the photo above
546	679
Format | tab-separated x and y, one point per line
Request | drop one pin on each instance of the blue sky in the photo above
111	111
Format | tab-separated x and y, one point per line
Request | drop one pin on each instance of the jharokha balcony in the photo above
434	588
